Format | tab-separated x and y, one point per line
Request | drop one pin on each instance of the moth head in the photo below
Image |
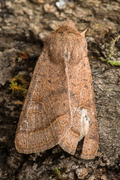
66	44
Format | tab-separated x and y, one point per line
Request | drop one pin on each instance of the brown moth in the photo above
59	107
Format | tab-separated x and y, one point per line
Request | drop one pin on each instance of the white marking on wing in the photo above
85	121
66	60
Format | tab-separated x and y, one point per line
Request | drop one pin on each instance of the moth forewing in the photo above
44	116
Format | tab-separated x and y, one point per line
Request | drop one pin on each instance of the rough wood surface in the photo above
23	25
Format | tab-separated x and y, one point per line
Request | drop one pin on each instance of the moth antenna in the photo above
86	29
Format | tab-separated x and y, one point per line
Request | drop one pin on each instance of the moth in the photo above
59	107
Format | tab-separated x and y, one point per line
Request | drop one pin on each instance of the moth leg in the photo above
90	145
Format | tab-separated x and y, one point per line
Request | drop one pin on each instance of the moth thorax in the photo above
66	56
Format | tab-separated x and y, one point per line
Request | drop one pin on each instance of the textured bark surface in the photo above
23	25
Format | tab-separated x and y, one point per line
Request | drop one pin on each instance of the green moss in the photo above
58	174
111	50
19	59
19	84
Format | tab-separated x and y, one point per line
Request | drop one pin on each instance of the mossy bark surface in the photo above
23	26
